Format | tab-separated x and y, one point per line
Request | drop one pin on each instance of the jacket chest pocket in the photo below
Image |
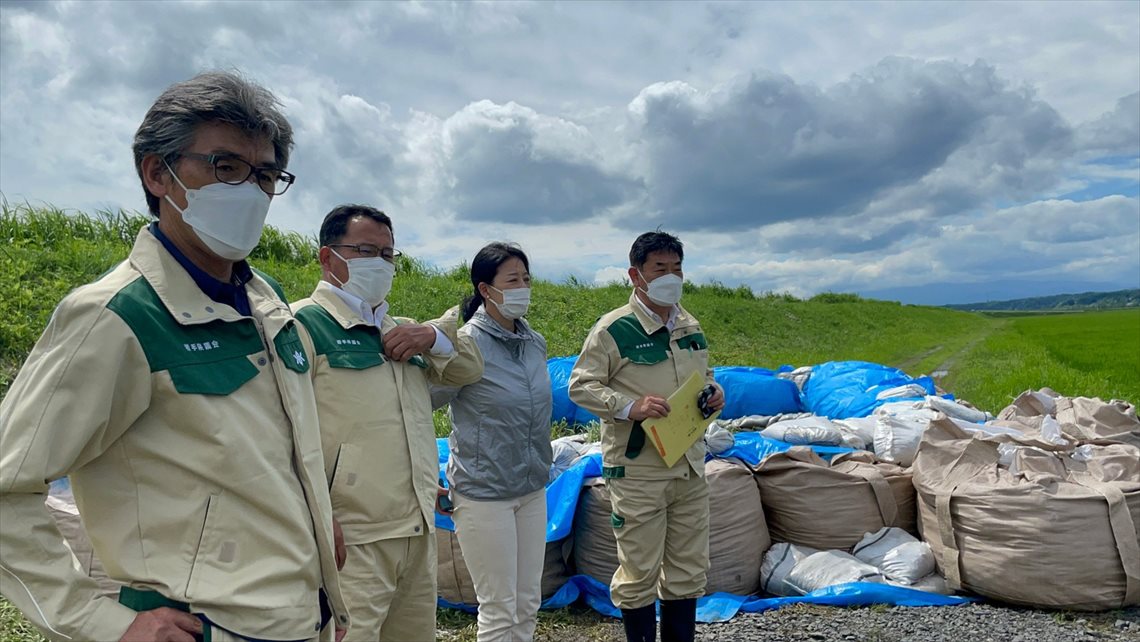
691	352
217	378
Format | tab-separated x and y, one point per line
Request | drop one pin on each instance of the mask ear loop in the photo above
339	282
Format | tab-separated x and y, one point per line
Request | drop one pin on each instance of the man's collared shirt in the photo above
668	323
442	345
232	294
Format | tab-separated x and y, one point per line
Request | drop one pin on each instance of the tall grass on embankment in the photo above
45	252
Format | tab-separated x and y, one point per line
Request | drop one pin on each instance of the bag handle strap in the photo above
950	552
884	497
1123	531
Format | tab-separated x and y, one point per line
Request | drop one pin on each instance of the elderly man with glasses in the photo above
176	394
371	373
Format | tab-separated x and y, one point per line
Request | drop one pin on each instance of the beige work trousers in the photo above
504	543
390	588
662	532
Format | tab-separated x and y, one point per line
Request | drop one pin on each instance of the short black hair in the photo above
335	225
485	266
656	241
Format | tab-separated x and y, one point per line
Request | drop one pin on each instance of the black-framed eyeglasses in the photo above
232	170
370	251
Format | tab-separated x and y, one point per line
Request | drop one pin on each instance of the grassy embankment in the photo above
45	252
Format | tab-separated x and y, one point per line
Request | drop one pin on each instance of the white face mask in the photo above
228	218
516	301
665	289
369	278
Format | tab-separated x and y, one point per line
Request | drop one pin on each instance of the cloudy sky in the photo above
931	152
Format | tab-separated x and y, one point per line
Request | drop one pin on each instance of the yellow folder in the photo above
673	435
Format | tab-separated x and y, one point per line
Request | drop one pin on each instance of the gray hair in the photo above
216	96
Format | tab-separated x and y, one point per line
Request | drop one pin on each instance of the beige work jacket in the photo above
190	435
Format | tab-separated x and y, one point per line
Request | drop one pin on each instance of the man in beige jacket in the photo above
632	360
175	393
371	375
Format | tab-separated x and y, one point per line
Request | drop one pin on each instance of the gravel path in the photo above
969	623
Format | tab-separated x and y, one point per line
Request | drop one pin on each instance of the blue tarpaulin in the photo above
562	501
564	409
756	391
747	391
844	389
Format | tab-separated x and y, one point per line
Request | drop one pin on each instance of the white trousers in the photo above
503	543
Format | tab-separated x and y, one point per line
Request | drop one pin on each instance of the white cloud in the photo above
794	146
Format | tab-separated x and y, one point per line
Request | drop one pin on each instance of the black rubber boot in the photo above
640	623
678	620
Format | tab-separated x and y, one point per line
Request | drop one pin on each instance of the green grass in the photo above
46	252
1093	354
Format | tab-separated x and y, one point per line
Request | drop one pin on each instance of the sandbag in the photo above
595	548
1060	533
830	506
898	430
897	554
738	536
780	559
956	409
718	439
858	432
828	568
565	451
1090	420
453	578
805	430
62	508
1081	419
933	583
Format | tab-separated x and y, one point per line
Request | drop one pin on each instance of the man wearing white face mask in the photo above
632	360
175	393
371	374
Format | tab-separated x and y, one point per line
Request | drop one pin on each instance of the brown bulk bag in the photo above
809	502
1082	419
1060	533
738	537
453	579
595	548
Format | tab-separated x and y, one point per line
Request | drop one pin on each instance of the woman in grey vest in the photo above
500	447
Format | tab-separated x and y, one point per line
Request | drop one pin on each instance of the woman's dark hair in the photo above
485	266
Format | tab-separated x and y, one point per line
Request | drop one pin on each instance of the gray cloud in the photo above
768	149
794	145
1116	132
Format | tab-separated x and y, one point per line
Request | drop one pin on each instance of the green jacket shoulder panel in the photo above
356	347
169	344
634	344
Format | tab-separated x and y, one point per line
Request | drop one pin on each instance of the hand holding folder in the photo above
674	434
